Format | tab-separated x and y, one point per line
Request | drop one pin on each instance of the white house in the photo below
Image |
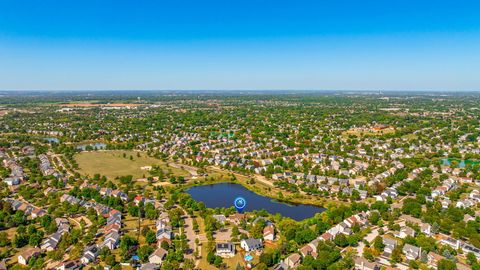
411	252
269	233
25	256
404	232
225	250
251	244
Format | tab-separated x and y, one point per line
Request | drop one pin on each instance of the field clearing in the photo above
111	163
410	137
361	133
91	104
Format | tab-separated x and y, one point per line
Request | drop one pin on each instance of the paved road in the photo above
369	237
190	233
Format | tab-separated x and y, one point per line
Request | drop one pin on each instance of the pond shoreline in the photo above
219	195
256	190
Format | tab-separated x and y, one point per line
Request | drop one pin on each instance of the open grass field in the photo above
112	163
361	133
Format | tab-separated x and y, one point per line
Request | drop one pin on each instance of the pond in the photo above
461	163
83	147
223	195
52	140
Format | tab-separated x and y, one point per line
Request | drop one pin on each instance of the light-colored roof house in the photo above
293	261
158	256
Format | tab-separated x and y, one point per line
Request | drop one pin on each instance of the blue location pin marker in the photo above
240	204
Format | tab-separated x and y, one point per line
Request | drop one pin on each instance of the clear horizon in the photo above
261	45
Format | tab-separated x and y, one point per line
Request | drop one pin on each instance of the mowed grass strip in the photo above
112	163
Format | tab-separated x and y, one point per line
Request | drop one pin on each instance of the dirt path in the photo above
191	170
259	178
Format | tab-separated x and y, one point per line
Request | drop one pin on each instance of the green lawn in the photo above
112	164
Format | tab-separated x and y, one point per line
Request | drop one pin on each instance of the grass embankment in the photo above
112	163
217	175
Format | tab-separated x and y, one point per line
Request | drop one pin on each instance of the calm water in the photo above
94	145
223	195
461	163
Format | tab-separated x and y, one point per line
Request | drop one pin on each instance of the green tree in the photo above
445	264
341	240
378	243
261	266
151	237
4	241
396	256
471	258
144	251
218	261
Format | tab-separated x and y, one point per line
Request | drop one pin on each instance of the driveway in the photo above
190	236
369	237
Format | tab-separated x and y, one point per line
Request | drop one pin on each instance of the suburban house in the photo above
251	244
225	250
158	256
236	218
149	266
454	243
404	232
426	229
269	233
307	250
389	244
164	234
12	181
411	252
68	265
433	259
112	240
293	261
363	264
25	256
220	218
281	266
310	248
89	254
51	242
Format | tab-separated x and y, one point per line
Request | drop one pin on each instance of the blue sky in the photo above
378	45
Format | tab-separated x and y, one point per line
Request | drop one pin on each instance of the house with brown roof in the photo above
326	237
433	259
158	256
461	266
236	218
404	232
37	212
308	250
363	264
68	265
28	254
293	261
